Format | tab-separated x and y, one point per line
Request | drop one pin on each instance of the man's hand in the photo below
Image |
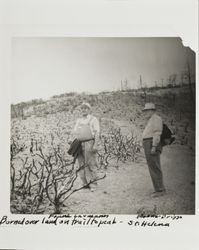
167	141
70	141
95	148
153	150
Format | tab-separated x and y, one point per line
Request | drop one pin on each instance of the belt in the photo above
145	139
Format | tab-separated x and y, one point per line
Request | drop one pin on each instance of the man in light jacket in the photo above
152	147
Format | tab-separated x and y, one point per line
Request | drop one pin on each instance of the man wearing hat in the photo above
152	147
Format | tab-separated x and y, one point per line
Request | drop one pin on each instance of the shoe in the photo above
158	194
92	189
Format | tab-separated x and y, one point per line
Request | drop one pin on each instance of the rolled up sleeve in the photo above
76	126
74	131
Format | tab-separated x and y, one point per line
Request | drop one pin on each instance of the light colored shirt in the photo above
153	129
93	123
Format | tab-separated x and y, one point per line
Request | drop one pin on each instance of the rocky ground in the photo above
128	189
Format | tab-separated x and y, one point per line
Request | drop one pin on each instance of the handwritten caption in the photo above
93	220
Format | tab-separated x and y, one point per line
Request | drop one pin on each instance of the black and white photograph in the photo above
99	124
102	125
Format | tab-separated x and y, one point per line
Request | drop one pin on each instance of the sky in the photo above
43	67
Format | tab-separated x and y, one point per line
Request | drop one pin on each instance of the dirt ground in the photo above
128	189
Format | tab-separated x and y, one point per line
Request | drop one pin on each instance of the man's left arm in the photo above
96	130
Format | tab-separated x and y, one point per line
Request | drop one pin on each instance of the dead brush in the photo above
43	177
115	145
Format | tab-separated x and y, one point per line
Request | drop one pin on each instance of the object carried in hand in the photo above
75	148
167	136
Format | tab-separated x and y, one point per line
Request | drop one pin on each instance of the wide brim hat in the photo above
149	106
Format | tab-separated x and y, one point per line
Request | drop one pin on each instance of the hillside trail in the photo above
128	188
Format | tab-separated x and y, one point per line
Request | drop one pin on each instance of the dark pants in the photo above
153	162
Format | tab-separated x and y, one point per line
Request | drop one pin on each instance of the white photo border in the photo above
58	18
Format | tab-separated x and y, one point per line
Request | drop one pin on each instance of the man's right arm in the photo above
72	136
157	131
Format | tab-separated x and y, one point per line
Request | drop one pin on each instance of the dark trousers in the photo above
154	165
